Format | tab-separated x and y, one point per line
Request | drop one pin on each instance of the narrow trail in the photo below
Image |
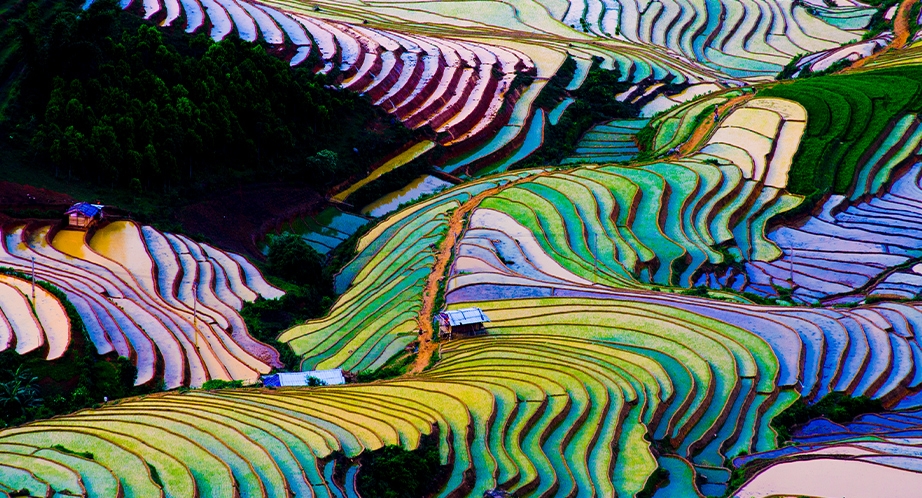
443	257
448	245
901	25
900	34
703	131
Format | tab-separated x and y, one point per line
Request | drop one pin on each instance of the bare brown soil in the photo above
16	196
443	257
901	25
235	219
708	124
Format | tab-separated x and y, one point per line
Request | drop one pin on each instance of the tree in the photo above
393	472
21	392
323	164
290	256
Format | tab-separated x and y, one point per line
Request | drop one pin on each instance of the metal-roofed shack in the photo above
464	322
83	214
330	377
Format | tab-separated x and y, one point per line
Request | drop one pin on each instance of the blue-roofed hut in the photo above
82	215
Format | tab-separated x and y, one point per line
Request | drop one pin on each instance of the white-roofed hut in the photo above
464	322
330	377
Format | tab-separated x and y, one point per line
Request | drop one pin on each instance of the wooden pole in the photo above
195	312
33	279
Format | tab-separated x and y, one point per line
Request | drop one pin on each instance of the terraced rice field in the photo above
848	251
564	390
451	66
840	457
31	322
657	224
376	314
611	142
534	413
165	301
645	298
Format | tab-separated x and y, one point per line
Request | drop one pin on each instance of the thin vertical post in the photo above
33	279
195	312
791	265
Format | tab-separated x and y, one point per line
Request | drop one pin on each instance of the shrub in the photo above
838	407
395	367
291	257
221	384
393	472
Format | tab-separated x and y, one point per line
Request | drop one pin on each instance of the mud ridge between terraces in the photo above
900	34
709	125
443	256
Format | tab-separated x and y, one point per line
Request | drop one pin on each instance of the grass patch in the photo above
847	114
81	454
659	479
221	384
154	475
395	367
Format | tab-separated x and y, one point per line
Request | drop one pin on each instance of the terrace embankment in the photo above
709	124
443	258
901	33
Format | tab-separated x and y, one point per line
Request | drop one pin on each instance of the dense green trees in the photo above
112	98
291	258
307	280
393	472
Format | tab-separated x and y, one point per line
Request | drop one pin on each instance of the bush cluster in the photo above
393	472
594	103
837	406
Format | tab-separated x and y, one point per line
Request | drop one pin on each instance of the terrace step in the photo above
849	246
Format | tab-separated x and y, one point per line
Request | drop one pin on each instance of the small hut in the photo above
330	377
464	322
82	215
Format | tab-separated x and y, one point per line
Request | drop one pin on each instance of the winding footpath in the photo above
901	33
709	124
443	257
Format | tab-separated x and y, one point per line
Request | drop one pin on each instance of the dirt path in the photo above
456	227
703	131
442	258
900	33
901	25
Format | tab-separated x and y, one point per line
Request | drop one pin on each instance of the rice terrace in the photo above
447	248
